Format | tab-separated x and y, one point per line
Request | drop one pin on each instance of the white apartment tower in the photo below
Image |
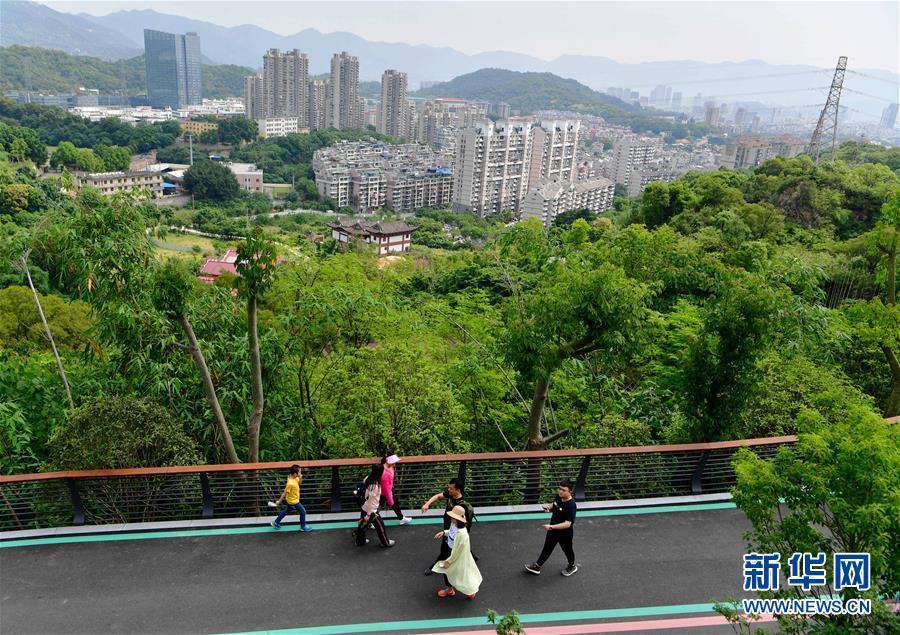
392	119
492	166
553	154
629	154
343	95
285	84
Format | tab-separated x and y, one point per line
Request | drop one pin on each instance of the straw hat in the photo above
458	513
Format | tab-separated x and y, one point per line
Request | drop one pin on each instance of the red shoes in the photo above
448	592
471	597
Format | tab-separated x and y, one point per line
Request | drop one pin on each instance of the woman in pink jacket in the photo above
387	487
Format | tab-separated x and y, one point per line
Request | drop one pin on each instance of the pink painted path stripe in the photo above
619	627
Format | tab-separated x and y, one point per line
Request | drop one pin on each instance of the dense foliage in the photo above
722	305
51	71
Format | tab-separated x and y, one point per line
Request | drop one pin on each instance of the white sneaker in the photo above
406	520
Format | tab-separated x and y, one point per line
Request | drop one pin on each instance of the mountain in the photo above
31	24
526	92
752	80
46	70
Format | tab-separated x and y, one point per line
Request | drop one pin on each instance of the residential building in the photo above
110	183
748	152
550	197
629	153
389	237
196	128
285	85
280	126
409	190
787	146
440	119
254	102
553	153
711	114
214	267
174	69
248	176
318	103
502	110
492	166
343	107
371	175
392	117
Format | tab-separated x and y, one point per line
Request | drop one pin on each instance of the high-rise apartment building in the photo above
392	117
553	151
343	108
254	103
630	153
711	114
174	73
285	81
492	166
318	103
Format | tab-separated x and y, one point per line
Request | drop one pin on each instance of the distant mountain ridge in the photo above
753	80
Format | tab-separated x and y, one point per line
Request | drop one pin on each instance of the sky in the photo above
808	32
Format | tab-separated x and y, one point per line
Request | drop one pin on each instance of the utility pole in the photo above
828	119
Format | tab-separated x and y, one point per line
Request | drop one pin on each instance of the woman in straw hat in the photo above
460	571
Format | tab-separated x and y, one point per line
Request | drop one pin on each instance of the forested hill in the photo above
530	92
46	70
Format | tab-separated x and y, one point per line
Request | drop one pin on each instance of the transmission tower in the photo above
828	120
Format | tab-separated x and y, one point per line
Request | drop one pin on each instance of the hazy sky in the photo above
813	32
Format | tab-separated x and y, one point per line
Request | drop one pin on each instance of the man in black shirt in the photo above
560	530
454	496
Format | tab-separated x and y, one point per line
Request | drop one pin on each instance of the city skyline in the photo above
662	30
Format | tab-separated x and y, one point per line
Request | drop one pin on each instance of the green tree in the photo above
66	154
114	432
209	180
255	265
834	491
114	158
18	150
236	129
172	288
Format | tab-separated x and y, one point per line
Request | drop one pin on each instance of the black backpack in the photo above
359	493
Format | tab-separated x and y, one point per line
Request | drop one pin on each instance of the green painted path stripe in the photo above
532	618
236	531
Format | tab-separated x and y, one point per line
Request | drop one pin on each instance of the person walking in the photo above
387	487
369	511
459	568
560	530
291	497
453	494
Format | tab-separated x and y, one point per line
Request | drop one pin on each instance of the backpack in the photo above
359	493
470	513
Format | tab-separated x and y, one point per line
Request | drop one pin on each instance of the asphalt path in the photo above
286	579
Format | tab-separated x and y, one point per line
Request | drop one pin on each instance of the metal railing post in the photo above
580	484
461	473
335	489
207	496
697	478
77	505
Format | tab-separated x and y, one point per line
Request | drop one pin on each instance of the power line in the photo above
859	92
878	79
731	79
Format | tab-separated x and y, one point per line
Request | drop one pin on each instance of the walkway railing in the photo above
98	497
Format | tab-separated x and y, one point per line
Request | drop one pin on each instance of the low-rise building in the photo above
551	197
214	267
248	176
196	128
389	237
280	126
110	183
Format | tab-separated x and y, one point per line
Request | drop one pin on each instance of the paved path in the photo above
634	566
